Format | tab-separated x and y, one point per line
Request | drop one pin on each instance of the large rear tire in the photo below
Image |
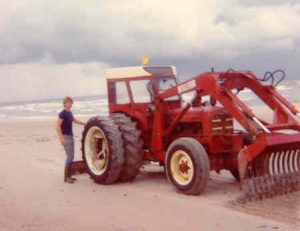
102	149
187	166
132	146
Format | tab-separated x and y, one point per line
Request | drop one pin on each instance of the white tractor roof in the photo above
130	72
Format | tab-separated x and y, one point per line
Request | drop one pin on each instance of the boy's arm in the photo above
59	132
76	121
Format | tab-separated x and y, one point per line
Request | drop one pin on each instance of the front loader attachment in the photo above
269	162
270	166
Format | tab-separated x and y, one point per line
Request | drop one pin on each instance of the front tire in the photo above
102	149
187	166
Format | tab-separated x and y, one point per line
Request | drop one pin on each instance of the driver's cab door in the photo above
142	97
143	92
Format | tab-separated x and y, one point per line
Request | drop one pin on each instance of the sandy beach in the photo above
223	74
33	195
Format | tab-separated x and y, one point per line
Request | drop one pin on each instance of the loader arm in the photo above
220	86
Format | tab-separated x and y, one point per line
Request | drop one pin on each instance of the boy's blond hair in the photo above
67	99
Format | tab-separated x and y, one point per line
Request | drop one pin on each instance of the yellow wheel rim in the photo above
96	150
182	168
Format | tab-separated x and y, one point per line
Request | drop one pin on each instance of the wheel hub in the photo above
183	167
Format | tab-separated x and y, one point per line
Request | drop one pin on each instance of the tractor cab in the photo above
133	90
139	84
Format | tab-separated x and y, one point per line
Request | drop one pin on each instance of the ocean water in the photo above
97	105
83	106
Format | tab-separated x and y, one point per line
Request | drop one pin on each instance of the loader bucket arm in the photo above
220	86
270	165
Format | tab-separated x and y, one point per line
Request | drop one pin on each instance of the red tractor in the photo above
148	120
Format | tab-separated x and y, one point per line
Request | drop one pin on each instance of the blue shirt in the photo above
67	124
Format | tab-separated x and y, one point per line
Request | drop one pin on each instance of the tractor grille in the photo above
220	125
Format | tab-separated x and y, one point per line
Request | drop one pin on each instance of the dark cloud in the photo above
72	31
255	35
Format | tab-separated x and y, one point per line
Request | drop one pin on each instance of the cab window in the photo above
121	93
166	83
141	91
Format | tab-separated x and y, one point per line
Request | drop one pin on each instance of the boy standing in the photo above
64	129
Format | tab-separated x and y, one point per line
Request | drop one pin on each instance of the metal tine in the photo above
290	163
297	168
269	188
285	171
272	164
294	169
290	171
266	175
284	177
274	172
271	173
277	188
280	178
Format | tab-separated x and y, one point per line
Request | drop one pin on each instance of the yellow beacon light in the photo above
145	61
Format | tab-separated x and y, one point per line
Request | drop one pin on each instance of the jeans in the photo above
69	148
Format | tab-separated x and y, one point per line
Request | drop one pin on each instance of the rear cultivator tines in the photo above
272	174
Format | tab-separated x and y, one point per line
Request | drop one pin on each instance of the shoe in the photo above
69	180
66	174
73	179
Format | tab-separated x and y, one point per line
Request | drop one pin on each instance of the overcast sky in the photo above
51	48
